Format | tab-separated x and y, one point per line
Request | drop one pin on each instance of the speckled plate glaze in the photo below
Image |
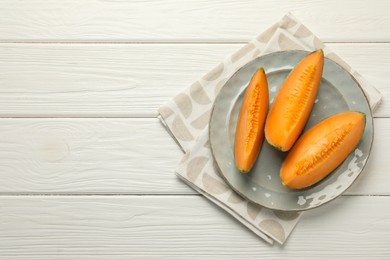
338	91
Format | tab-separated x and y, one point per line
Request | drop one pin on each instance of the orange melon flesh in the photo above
321	149
294	102
250	126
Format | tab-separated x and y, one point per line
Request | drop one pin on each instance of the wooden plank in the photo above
120	156
172	20
177	227
88	156
130	80
98	80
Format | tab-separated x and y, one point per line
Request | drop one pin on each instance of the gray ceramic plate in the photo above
338	92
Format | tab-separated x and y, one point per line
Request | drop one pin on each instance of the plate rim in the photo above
220	172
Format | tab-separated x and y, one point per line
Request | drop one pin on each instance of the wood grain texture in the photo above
130	80
98	80
195	21
120	156
177	227
88	156
87	171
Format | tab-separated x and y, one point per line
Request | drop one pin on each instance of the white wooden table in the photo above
87	170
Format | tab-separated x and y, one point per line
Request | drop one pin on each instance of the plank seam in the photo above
9	194
135	42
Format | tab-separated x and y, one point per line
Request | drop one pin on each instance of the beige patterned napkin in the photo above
186	118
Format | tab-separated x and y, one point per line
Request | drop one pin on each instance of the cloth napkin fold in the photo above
187	115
